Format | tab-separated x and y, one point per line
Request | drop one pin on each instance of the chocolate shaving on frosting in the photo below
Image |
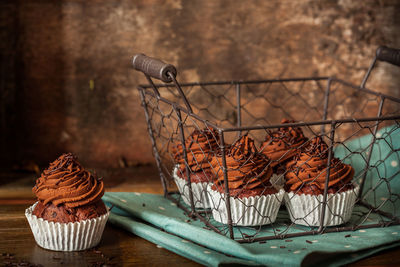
66	182
307	172
280	145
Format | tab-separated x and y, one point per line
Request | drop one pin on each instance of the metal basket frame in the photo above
167	73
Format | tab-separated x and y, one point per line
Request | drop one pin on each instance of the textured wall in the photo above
66	79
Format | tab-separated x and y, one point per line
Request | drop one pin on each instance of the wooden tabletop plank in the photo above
117	246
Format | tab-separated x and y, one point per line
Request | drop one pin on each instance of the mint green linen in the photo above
384	163
146	214
160	213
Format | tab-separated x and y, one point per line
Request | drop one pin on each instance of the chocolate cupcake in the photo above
305	183
69	214
201	146
254	201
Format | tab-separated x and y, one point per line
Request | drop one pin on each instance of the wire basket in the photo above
356	126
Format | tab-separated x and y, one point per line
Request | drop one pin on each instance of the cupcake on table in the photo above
254	201
69	214
201	146
305	184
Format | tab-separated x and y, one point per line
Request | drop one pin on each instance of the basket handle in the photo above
154	67
390	55
386	54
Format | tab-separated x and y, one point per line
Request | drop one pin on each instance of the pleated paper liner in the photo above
199	190
307	209
74	236
248	211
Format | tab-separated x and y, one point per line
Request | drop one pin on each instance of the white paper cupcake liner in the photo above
201	197
248	211
307	209
66	236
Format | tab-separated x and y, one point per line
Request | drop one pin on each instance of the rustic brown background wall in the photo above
67	84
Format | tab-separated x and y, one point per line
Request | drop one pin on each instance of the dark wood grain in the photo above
117	246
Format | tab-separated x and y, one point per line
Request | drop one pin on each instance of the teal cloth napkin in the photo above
159	220
162	223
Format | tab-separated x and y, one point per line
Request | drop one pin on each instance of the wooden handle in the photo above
154	67
390	55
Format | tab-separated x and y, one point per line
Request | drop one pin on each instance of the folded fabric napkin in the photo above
188	237
160	221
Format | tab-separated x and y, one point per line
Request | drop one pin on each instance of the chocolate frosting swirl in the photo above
201	146
66	182
307	172
247	169
280	145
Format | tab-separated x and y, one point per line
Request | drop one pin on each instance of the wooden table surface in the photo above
117	247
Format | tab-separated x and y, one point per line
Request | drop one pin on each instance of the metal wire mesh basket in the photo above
210	142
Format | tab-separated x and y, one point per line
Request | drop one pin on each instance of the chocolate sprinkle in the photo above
347	236
308	241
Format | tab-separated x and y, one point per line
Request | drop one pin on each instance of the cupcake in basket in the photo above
69	214
254	201
305	184
201	146
280	146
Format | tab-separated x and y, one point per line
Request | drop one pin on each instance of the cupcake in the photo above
201	146
69	214
305	183
254	201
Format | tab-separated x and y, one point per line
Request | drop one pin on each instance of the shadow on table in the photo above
93	257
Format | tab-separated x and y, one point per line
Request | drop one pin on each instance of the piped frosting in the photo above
307	171
281	145
248	172
66	182
201	146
